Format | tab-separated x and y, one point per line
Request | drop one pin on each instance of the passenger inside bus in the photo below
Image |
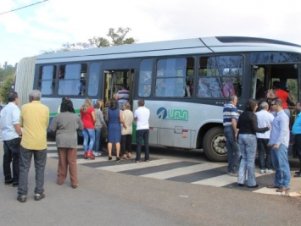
280	92
228	88
260	90
189	89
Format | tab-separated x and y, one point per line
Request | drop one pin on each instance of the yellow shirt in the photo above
34	123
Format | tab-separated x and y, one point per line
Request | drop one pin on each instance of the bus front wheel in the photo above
214	145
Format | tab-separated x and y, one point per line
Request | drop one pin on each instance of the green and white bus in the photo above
184	83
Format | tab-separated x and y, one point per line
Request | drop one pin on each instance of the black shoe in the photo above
117	159
240	185
253	186
38	196
15	184
22	198
110	158
8	181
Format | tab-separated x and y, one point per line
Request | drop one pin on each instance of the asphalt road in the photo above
113	198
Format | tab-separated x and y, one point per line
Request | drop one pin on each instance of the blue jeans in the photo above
142	136
264	154
232	150
89	139
40	157
281	165
11	155
247	145
97	144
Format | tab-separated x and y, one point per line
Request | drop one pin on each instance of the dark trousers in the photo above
126	143
264	154
297	147
11	155
40	157
142	137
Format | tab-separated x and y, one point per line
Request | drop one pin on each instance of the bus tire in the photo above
214	145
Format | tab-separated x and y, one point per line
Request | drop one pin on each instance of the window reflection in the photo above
174	77
46	81
219	76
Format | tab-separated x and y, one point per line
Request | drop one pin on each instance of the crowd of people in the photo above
24	134
266	130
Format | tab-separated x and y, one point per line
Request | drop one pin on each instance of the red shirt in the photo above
283	96
87	118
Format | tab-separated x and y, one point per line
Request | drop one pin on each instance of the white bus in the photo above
184	83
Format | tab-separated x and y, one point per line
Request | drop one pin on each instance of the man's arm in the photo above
18	129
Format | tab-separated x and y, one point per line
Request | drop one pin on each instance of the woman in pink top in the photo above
87	114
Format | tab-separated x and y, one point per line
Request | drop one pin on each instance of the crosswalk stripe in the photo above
52	154
218	181
51	148
51	143
182	171
131	166
271	191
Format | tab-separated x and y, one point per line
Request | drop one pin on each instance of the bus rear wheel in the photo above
214	145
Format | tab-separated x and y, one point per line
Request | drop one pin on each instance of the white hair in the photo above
35	95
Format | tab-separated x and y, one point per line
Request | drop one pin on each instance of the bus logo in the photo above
172	114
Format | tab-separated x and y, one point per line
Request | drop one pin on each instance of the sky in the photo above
47	26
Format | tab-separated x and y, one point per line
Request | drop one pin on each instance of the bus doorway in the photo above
265	75
116	80
284	76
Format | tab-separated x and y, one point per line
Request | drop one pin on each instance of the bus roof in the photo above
217	44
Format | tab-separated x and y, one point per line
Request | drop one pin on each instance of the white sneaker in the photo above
96	153
262	171
269	171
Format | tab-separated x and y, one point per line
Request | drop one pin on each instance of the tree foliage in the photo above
115	38
6	70
6	87
7	73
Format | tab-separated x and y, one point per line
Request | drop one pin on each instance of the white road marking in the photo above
141	165
182	171
218	181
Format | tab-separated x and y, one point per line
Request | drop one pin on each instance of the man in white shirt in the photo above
141	116
264	119
11	132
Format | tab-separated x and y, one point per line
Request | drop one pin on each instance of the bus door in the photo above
265	75
116	80
285	75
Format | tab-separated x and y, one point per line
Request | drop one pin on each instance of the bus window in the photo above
173	78
72	81
46	79
145	78
209	87
94	77
219	76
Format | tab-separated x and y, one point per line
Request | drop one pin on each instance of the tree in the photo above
116	38
6	70
6	87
